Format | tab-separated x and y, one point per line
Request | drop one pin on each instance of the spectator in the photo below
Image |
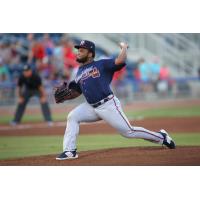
4	73
45	67
48	45
164	84
137	78
155	72
5	52
70	64
4	81
144	69
36	53
164	73
58	58
22	50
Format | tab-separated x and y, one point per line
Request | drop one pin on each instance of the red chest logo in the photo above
95	73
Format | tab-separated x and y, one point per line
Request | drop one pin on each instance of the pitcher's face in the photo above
83	55
27	73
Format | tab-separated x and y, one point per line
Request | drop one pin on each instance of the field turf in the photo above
189	111
23	146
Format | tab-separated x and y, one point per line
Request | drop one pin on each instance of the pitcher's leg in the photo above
82	113
112	113
142	133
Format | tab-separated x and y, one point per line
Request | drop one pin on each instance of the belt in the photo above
95	105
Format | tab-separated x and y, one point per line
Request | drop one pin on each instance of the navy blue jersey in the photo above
94	79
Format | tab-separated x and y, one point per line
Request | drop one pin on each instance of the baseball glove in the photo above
62	93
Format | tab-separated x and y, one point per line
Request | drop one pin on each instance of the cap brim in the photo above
78	47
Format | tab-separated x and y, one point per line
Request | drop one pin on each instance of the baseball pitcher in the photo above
93	81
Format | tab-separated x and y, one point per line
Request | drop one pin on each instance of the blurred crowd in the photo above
143	77
53	57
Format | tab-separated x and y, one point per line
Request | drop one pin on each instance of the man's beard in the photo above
82	60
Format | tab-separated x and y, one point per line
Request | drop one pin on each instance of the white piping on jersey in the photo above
91	71
83	73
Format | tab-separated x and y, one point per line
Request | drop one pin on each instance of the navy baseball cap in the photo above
86	44
26	67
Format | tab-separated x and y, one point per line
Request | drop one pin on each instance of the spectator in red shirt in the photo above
69	57
38	50
164	73
120	85
165	82
136	74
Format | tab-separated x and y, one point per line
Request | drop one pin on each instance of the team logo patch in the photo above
95	73
90	72
82	42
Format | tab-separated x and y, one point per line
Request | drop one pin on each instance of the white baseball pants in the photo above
112	113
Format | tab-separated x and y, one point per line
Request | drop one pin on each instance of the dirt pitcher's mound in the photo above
120	157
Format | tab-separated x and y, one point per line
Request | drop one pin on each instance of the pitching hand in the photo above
123	45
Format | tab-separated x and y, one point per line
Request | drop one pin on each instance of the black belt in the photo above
95	105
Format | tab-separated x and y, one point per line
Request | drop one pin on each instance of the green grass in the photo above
150	113
167	112
34	118
23	146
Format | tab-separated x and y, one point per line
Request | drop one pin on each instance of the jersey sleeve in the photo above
75	86
110	65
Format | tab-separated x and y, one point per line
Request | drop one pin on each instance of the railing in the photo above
189	51
181	54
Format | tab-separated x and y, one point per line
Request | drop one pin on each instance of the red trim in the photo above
111	97
132	130
150	134
122	116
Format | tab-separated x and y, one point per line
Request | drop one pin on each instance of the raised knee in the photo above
71	117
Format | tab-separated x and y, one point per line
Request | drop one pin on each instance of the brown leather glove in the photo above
62	93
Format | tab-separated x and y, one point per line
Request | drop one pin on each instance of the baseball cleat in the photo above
50	123
167	139
67	155
13	123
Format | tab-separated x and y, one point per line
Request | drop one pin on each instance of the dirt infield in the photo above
181	124
135	156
